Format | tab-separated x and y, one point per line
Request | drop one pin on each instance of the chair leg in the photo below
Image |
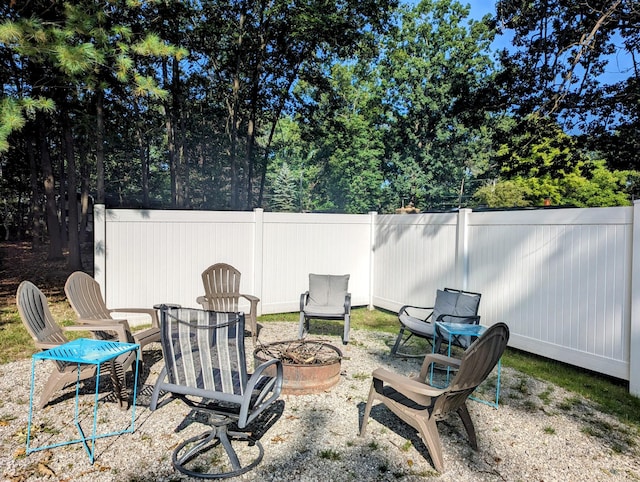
463	411
396	345
156	389
301	326
118	380
367	410
429	432
207	441
345	336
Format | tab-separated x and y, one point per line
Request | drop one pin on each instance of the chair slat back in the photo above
85	296
36	316
204	350
477	363
222	287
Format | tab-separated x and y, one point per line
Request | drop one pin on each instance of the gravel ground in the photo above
539	432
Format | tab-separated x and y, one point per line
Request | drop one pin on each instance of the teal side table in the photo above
85	351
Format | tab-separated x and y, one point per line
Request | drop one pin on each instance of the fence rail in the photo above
565	280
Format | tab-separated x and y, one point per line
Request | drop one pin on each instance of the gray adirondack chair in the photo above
35	314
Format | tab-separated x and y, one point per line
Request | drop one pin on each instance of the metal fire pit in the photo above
309	366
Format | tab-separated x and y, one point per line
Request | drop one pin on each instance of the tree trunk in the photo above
143	153
84	195
62	193
35	205
178	137
100	194
170	139
74	261
53	225
234	114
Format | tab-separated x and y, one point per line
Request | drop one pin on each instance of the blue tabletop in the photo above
461	328
86	350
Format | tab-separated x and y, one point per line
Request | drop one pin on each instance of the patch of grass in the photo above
14	338
361	376
361	318
549	430
530	405
521	386
569	403
330	454
545	396
373	445
610	395
406	446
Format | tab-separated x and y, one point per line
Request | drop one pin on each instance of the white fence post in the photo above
258	255
373	217
634	339
462	249
100	247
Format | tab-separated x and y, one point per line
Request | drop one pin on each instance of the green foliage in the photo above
542	164
582	75
437	83
511	193
348	107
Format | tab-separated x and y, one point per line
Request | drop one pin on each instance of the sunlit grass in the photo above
361	319
611	395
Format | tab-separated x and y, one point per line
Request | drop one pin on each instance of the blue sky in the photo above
619	66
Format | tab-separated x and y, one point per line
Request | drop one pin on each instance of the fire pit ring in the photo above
309	366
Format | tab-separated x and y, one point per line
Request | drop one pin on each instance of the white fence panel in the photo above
560	279
414	255
158	256
298	244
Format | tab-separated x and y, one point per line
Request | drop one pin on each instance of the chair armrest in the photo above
148	311
102	321
254	302
251	298
441	360
406	308
259	403
202	301
45	346
303	300
406	385
118	329
347	303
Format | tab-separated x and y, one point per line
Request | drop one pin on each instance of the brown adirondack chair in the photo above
46	333
421	405
85	297
221	283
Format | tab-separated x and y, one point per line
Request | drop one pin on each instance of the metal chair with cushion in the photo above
85	297
421	405
46	333
205	367
221	283
327	298
451	305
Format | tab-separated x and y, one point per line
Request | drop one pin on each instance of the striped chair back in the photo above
204	351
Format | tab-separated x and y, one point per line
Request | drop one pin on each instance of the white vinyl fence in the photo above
564	280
